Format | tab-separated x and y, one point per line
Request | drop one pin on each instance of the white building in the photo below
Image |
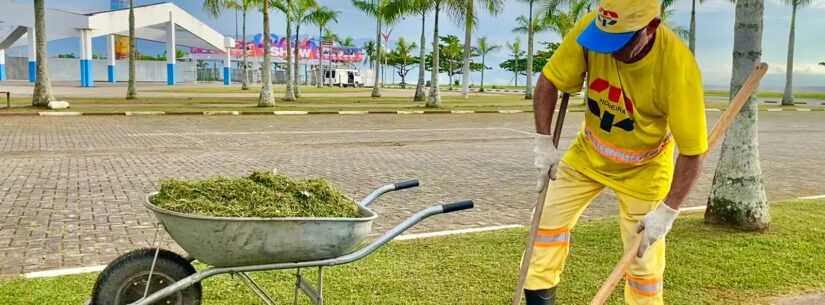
163	22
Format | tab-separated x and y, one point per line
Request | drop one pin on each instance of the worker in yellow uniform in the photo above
644	101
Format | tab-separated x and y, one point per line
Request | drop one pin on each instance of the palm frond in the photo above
214	7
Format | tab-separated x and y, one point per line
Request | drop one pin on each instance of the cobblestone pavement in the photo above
71	189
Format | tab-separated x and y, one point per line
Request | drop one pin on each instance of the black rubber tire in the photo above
118	283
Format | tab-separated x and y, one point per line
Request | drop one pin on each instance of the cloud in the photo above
807	68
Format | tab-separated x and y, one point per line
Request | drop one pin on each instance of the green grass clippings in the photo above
261	194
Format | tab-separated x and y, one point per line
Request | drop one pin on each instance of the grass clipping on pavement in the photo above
261	194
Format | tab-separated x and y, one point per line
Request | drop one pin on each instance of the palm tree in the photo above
369	51
321	17
455	8
692	35
346	42
738	194
515	49
667	15
787	98
131	90
266	98
301	14
42	87
483	49
214	9
419	8
377	9
286	9
401	57
452	51
493	7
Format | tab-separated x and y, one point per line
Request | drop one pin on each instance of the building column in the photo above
110	69
227	68
170	52
86	75
32	56
2	64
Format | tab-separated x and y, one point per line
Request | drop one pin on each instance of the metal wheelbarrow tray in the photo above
240	241
241	245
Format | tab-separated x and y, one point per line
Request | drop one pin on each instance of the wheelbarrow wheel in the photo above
124	280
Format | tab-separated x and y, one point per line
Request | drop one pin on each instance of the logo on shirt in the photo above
615	103
607	17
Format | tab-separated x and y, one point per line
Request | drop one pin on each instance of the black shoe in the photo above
540	297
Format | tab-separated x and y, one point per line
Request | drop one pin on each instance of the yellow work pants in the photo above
567	198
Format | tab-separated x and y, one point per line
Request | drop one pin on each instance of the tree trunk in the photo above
131	91
266	98
738	197
468	36
42	87
787	98
420	95
528	93
289	96
692	40
245	78
435	97
318	80
296	59
483	67
376	87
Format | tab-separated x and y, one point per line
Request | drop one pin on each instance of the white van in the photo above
343	78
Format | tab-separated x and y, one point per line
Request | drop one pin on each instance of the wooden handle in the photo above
534	224
716	135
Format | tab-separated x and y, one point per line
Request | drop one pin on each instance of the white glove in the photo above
656	225
547	160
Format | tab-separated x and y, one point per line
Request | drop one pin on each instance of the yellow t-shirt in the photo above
634	112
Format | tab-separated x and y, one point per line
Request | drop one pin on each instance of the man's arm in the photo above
544	104
656	224
687	172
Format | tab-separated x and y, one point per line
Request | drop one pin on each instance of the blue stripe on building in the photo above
32	71
170	74
2	72
227	77
110	71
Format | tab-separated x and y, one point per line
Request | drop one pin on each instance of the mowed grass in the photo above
707	265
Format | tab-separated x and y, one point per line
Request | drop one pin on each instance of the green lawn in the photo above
771	94
707	265
254	89
354	103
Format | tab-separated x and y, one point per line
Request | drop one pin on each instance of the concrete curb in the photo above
350	112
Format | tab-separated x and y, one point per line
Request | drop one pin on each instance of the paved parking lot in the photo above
71	189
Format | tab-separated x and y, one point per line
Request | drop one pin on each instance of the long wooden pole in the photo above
534	224
716	135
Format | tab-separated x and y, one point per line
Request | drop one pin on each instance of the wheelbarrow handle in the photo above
392	187
457	206
406	184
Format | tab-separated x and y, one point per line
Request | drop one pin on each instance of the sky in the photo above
714	35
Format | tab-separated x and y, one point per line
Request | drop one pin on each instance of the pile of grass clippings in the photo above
262	194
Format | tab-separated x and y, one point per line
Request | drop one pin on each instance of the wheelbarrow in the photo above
238	246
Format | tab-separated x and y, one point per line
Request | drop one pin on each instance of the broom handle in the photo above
534	224
716	135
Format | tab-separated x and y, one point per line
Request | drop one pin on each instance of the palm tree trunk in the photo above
483	67
131	91
320	57
376	88
245	78
435	97
692	40
528	93
42	87
737	197
289	96
266	98
787	98
420	95
468	36
296	59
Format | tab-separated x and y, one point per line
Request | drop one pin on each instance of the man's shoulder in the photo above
672	48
